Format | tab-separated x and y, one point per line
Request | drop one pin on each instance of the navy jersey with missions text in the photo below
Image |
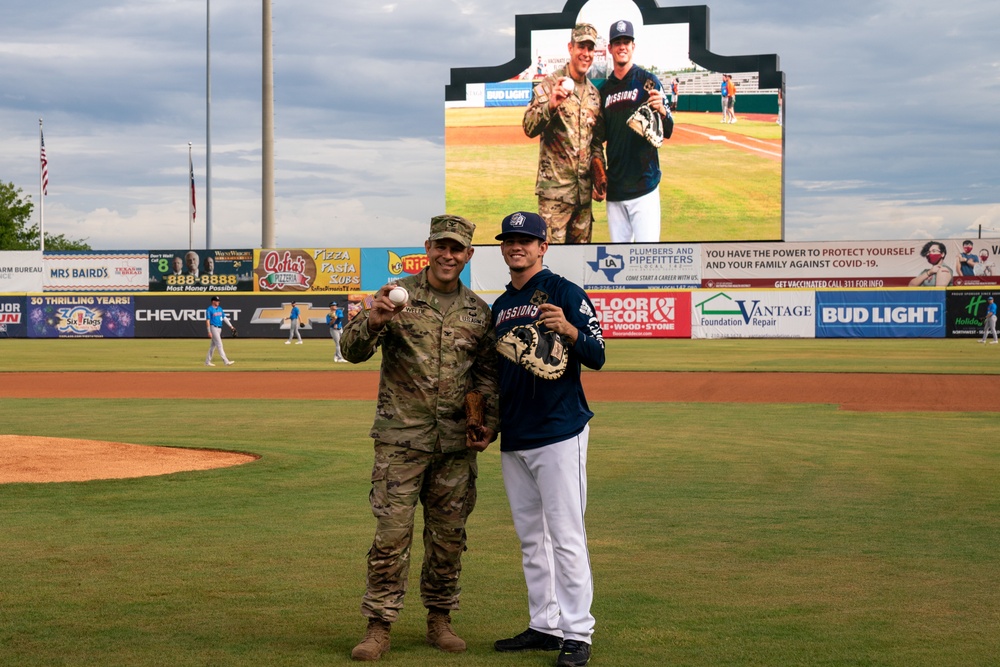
536	412
633	163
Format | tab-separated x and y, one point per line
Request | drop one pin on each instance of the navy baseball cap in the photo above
522	222
621	29
215	298
990	299
333	303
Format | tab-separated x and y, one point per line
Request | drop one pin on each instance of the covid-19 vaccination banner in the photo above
847	264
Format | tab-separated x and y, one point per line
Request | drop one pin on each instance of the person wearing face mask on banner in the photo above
938	275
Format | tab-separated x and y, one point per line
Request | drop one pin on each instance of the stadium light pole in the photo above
267	148
208	124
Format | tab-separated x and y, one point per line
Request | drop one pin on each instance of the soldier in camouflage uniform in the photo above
436	348
566	122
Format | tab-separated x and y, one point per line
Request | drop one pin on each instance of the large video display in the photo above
721	169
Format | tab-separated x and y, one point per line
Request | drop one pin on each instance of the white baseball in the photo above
398	295
568	85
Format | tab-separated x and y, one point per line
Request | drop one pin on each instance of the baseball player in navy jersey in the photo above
544	433
633	163
215	317
293	320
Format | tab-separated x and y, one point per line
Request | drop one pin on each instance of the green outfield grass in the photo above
955	356
721	535
709	192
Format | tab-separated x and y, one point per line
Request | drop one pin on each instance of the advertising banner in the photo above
82	316
292	270
81	271
720	314
641	266
643	314
201	271
895	314
977	263
380	266
254	315
12	317
20	271
508	94
836	264
965	312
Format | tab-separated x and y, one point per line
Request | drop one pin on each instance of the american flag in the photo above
45	167
194	206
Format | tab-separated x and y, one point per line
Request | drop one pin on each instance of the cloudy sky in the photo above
890	113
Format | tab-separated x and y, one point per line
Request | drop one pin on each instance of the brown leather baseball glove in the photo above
599	177
475	415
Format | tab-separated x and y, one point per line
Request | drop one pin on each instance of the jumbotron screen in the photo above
721	169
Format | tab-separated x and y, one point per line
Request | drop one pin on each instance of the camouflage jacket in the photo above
430	361
568	140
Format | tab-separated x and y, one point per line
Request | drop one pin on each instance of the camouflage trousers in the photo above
445	484
566	223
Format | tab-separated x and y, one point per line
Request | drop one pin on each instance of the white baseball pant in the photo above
216	344
547	491
635	220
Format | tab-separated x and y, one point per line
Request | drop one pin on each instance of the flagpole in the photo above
267	143
208	124
190	200
41	187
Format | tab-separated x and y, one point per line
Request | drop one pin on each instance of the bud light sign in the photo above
896	314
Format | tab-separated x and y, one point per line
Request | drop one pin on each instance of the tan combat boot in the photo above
440	634
375	642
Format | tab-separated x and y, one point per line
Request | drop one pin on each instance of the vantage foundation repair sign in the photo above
643	314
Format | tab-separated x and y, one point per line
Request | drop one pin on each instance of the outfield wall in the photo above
834	289
697	313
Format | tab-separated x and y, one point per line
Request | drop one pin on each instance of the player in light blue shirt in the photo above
335	320
215	317
293	331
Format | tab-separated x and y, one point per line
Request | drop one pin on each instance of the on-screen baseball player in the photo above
543	447
990	321
563	114
335	320
436	347
215	317
633	163
293	319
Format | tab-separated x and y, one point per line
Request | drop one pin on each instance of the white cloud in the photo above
889	113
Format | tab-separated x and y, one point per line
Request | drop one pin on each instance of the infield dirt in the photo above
37	459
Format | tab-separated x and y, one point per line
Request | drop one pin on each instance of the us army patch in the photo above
539	297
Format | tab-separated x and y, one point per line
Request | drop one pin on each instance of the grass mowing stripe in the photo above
720	535
924	355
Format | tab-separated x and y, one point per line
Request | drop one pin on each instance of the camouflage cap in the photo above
452	227
584	32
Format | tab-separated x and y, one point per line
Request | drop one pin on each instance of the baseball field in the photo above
751	502
720	182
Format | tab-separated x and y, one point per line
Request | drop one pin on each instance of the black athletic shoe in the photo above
574	654
529	640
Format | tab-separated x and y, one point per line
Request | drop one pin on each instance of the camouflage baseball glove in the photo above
475	416
535	348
